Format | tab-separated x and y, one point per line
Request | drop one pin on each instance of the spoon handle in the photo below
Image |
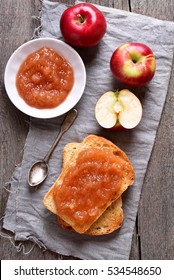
68	121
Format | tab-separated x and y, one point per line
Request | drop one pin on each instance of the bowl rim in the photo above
18	57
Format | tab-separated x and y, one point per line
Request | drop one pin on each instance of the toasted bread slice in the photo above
110	220
92	141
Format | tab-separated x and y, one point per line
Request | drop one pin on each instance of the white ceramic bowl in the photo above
20	55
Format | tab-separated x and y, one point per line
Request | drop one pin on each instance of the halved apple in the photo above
118	109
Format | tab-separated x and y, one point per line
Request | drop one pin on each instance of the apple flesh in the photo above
118	110
83	25
133	64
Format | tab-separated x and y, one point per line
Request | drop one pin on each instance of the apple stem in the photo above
80	19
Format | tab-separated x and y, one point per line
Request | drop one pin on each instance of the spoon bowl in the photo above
37	173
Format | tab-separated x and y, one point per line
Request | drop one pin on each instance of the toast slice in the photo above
127	177
110	220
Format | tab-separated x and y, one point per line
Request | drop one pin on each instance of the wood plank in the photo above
118	4
156	209
159	9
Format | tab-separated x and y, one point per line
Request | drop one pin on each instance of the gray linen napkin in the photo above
25	213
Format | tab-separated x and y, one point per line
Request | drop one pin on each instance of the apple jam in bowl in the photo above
45	78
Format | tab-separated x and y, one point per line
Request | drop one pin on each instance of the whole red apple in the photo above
83	25
133	64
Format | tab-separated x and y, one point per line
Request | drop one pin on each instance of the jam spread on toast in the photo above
89	186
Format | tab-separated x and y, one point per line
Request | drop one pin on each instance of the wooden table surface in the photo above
153	236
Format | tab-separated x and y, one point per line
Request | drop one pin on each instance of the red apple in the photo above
133	64
83	25
118	110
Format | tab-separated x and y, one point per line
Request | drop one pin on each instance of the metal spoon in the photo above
39	170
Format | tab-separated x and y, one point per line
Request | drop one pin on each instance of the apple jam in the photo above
88	186
44	79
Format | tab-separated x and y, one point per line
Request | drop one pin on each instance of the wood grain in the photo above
156	223
159	9
153	236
